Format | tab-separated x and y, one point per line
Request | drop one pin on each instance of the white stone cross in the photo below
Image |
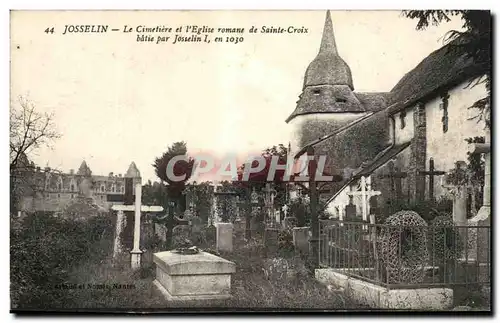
285	208
138	208
269	200
365	193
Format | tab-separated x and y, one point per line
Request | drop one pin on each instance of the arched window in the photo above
102	188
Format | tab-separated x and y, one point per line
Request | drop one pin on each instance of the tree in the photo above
181	167
29	131
474	41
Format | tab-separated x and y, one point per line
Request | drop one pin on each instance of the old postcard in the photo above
250	160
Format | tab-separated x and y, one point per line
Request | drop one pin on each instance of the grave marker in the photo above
431	173
136	252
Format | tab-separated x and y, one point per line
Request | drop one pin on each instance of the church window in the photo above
72	195
102	188
72	187
58	196
444	106
402	119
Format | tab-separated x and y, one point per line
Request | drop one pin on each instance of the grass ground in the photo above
251	288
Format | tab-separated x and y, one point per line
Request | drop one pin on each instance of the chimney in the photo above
38	169
47	169
111	174
71	171
119	175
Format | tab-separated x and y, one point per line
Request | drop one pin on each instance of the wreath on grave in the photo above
404	247
446	243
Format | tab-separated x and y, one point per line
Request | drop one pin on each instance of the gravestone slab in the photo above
201	276
197	226
224	237
301	239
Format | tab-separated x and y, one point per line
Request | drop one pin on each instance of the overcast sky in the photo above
117	100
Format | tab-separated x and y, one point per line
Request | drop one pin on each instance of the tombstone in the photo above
301	239
350	210
289	222
365	193
224	240
456	183
271	241
197	227
277	215
187	277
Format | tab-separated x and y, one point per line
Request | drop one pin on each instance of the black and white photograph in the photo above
234	161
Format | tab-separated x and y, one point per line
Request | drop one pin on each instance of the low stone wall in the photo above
377	296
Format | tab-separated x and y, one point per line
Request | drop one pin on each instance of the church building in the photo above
389	137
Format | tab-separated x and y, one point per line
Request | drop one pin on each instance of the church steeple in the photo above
328	40
328	68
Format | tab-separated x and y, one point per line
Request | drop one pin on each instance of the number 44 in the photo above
49	30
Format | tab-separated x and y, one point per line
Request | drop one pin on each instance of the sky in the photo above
116	100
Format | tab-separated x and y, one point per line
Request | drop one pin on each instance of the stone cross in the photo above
395	177
285	208
269	201
478	148
366	193
431	173
138	208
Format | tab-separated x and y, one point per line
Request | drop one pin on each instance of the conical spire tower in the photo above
328	68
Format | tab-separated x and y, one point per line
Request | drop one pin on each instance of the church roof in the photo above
368	168
328	67
443	68
133	171
84	170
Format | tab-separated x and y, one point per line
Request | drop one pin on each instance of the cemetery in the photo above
391	211
249	251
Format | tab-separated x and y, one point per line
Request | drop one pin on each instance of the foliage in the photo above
180	168
475	167
259	180
474	41
226	204
155	194
300	209
43	251
80	209
428	210
201	195
29	131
